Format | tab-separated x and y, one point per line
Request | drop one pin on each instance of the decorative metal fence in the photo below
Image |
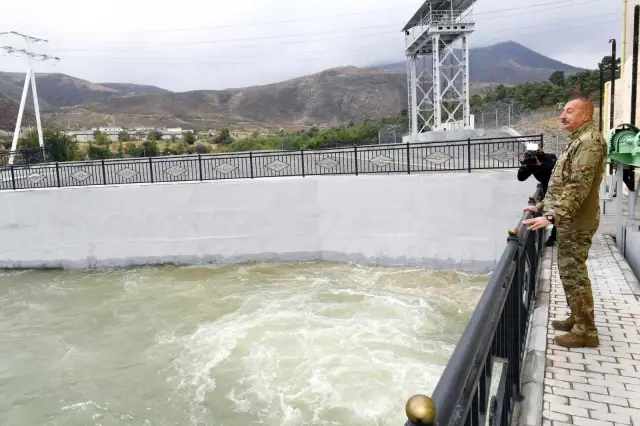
465	155
496	333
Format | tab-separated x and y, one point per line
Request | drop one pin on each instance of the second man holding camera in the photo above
539	164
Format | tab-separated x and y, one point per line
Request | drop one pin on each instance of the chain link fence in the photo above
525	121
391	134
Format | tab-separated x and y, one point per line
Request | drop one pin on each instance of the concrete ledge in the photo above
530	409
628	273
91	262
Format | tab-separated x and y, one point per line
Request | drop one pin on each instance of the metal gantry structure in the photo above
437	52
30	78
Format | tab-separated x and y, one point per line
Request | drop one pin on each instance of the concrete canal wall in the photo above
445	220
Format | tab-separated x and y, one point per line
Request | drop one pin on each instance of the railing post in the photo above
302	160
469	155
58	174
355	158
408	159
13	176
150	169
251	163
104	173
542	140
200	165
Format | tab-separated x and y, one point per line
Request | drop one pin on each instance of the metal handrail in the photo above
451	403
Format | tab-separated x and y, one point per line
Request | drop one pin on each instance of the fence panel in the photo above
477	154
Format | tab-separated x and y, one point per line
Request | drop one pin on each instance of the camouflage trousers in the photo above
573	250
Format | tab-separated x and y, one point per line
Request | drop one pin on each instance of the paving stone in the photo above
594	386
581	421
611	417
611	400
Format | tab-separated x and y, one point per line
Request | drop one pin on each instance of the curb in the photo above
535	356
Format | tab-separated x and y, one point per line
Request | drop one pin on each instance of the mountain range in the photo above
327	98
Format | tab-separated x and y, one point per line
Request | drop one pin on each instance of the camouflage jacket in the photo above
573	196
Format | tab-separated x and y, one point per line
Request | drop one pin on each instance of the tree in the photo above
131	150
542	94
154	135
202	148
224	137
557	78
59	145
101	138
606	66
189	137
123	136
148	149
98	152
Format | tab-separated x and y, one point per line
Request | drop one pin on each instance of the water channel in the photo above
263	344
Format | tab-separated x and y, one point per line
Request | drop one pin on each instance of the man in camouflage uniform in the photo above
572	205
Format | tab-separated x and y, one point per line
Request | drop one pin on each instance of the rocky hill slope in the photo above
333	96
9	113
61	90
506	63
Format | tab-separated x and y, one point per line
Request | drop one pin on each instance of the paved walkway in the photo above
596	387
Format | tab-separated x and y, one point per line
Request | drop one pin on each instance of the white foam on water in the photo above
346	352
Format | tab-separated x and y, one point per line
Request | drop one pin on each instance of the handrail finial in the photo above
421	410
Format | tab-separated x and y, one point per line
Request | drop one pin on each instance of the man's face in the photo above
573	116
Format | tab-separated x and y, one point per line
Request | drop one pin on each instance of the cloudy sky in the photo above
195	44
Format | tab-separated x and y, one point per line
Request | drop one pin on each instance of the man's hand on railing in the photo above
537	223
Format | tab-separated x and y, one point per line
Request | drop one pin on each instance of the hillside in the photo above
134	89
9	113
506	63
330	97
60	90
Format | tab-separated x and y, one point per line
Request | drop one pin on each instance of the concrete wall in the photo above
449	220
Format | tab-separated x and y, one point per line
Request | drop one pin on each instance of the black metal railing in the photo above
466	155
496	333
26	156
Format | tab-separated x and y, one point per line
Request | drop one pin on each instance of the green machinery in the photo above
624	145
624	152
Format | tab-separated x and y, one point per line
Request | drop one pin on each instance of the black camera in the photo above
531	155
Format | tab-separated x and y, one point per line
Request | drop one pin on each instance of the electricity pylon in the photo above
30	77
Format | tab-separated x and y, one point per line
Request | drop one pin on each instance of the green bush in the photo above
61	146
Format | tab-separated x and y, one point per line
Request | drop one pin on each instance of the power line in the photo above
569	3
38	56
298	35
296	59
254	24
31	39
377	44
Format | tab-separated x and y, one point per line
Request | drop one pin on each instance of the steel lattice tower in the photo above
437	71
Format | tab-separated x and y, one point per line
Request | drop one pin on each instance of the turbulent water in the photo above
272	344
